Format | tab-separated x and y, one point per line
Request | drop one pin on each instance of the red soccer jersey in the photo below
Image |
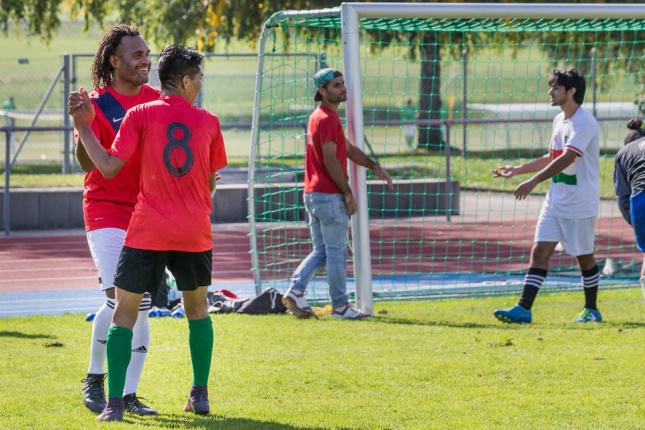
324	126
180	145
108	203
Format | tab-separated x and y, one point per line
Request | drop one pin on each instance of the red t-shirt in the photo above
108	203
180	145
324	126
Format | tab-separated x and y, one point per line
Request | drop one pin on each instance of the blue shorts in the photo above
637	214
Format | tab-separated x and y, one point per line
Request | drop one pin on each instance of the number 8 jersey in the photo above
180	146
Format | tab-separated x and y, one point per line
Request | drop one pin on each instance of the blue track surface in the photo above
77	301
451	284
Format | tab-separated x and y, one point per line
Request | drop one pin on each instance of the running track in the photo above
53	272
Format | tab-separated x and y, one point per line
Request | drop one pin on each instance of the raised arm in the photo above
74	101
83	116
83	158
530	167
553	168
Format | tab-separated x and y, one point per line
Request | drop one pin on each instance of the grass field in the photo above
445	364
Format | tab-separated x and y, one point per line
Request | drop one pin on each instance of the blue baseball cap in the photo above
322	78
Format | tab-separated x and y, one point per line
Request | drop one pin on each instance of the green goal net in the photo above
444	101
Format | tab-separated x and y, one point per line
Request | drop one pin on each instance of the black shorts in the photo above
141	270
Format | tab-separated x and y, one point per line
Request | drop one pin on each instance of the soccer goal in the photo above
441	94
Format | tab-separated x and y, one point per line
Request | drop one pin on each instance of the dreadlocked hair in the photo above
101	69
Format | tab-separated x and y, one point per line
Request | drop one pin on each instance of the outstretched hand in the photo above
505	172
81	108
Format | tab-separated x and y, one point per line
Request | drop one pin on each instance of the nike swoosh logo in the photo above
117	119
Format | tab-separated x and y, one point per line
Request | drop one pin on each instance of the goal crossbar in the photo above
473	10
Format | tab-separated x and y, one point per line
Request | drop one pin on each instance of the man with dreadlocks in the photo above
181	149
119	74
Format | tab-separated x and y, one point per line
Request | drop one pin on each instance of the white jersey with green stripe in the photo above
575	192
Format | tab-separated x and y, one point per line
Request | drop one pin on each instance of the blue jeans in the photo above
328	223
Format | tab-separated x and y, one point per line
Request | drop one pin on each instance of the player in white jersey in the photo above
569	212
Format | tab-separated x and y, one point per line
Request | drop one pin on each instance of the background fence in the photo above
39	87
39	82
480	91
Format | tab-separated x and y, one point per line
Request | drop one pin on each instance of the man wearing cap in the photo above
328	199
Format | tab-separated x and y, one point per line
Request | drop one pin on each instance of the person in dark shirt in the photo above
629	183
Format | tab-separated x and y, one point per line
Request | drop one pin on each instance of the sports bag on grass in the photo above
268	302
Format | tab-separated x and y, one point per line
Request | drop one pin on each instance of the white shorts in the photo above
409	130
577	236
105	246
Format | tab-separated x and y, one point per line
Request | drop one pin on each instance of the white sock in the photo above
100	327
140	346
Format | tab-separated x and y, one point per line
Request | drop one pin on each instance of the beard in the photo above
133	75
341	98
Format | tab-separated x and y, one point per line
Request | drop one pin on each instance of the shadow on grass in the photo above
408	321
21	335
628	324
214	422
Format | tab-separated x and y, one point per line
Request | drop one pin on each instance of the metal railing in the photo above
448	124
8	163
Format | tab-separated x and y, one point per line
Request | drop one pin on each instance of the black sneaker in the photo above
198	401
113	410
134	406
94	392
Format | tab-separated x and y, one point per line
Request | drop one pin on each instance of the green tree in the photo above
41	17
207	22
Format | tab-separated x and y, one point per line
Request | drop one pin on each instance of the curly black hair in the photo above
635	132
101	68
570	78
177	61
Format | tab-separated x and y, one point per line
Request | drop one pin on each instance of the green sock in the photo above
119	351
200	339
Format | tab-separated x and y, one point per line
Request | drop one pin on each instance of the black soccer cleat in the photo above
113	410
198	401
134	406
94	392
